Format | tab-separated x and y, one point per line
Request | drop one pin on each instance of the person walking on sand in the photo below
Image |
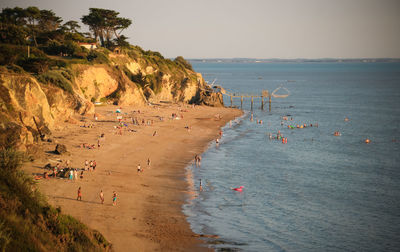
75	174
101	196
79	194
114	198
139	169
148	162
86	165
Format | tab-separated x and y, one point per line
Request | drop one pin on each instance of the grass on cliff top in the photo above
29	223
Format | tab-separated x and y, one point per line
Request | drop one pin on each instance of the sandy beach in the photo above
148	213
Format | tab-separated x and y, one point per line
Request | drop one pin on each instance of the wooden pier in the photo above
264	95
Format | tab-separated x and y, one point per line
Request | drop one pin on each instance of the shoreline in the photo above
149	213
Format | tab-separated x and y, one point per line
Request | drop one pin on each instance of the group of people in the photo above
101	195
89	125
90	166
301	126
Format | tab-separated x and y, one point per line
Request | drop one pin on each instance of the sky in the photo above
286	29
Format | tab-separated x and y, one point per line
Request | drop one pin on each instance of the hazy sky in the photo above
250	28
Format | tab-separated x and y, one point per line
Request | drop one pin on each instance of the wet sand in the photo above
148	215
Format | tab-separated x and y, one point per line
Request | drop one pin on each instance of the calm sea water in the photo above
318	192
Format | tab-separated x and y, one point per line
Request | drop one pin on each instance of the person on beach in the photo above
71	174
101	196
55	171
155	133
114	198
79	194
86	165
199	160
196	160
217	142
148	162
75	174
139	169
94	165
98	143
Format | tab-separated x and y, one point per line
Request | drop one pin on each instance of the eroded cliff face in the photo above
30	110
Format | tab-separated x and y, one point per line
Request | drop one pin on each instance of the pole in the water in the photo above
241	102
269	103
262	102
252	103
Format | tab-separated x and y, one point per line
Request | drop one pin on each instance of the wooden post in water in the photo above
241	102
252	103
262	102
269	103
231	101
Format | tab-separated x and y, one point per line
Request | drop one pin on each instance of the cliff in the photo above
32	105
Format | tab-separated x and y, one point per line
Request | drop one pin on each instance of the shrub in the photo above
181	61
12	54
56	78
36	65
98	57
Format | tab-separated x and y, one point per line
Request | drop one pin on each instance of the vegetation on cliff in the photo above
29	223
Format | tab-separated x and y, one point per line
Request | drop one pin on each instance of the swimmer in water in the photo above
201	187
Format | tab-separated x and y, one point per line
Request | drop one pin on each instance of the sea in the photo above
317	192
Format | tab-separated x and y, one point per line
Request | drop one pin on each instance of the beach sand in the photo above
148	214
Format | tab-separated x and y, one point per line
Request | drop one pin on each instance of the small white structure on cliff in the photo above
89	46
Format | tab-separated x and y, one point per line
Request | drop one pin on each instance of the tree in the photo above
71	26
121	41
105	24
48	21
12	26
33	14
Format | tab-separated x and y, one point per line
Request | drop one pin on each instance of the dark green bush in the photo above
12	54
98	57
56	78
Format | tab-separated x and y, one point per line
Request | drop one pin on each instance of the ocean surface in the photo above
317	192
